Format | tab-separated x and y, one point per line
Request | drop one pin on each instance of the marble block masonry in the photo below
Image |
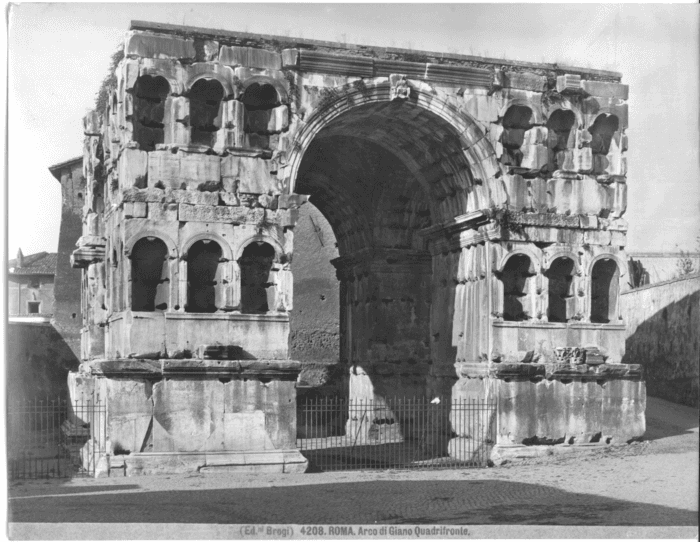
478	210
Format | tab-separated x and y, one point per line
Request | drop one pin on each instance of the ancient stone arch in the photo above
431	183
606	281
534	255
151	232
620	262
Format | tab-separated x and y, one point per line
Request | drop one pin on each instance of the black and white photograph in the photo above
351	271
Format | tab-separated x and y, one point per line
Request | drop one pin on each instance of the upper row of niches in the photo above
567	140
206	104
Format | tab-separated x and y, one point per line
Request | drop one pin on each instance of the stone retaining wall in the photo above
663	335
38	361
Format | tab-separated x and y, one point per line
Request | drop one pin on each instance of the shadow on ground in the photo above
387	502
666	419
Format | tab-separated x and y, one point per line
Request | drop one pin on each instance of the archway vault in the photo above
381	170
442	146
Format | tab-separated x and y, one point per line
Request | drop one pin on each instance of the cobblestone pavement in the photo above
647	483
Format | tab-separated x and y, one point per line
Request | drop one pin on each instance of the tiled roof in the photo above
56	168
41	263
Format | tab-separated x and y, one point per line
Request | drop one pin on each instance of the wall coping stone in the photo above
691	276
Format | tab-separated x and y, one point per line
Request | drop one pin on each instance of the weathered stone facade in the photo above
477	207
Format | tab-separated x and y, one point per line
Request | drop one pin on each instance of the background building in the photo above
38	357
31	287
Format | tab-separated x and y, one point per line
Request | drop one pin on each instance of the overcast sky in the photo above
59	54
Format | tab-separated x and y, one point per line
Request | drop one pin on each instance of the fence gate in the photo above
343	434
54	438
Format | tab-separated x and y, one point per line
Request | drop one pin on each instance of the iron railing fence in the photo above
345	434
55	438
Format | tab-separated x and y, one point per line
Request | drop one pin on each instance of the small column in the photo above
182	283
173	272
284	288
232	300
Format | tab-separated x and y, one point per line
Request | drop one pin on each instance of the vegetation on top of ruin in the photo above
109	83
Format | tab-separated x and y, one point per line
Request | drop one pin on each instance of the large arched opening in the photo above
382	172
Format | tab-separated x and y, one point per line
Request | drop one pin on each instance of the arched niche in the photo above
199	72
515	276
258	238
260	102
205	98
561	295
258	87
516	121
559	127
257	285
226	252
204	269
150	281
535	106
259	97
151	232
602	131
150	93
604	290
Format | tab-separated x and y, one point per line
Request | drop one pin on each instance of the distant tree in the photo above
685	265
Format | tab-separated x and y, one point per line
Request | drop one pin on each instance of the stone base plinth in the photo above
160	416
278	461
557	404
